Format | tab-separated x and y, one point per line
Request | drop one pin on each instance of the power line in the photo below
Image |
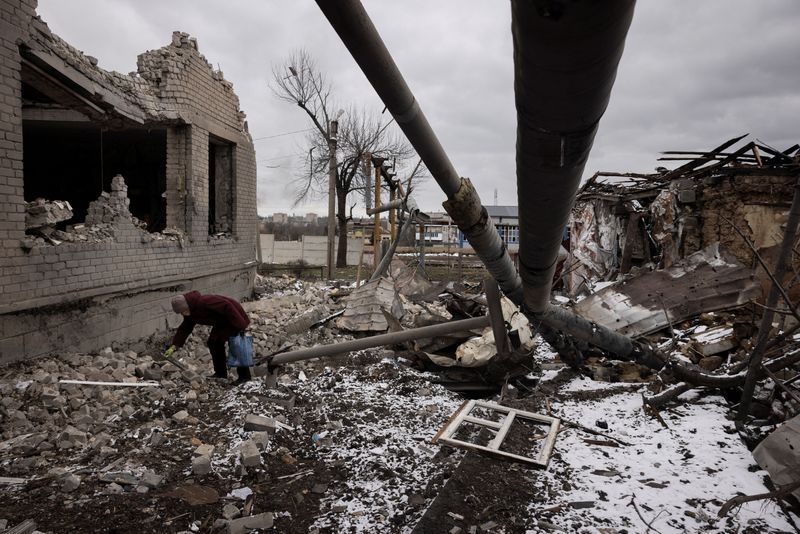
283	134
281	157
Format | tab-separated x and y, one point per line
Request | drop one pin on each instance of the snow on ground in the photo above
679	476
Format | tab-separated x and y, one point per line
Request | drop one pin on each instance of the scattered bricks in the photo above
43	215
70	483
260	423
319	489
246	524
230	511
201	465
180	416
190	395
251	456
204	450
261	439
151	480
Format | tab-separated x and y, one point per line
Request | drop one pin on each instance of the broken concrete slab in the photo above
254	422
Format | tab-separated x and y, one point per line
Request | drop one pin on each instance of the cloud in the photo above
693	75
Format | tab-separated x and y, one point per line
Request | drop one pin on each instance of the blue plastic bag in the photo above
240	350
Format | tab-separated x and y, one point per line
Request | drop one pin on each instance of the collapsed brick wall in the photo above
759	207
104	279
685	217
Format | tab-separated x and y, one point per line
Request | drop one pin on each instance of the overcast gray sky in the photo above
693	75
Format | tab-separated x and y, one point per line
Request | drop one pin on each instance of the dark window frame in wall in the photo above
221	183
76	160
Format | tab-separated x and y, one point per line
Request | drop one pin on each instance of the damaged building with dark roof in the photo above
116	191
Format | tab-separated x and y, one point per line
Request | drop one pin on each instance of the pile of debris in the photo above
344	444
624	222
106	217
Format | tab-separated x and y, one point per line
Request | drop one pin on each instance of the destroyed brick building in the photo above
627	221
116	190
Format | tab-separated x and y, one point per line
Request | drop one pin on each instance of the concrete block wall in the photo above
310	249
82	296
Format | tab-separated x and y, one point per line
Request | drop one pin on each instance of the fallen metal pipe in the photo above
384	339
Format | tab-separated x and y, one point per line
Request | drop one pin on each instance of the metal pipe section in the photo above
384	339
359	35
386	261
565	61
394	204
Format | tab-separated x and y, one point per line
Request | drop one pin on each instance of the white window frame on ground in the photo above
463	415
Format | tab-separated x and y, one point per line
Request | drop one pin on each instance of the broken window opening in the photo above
71	159
220	186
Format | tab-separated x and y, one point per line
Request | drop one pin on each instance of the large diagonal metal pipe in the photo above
359	35
535	144
566	54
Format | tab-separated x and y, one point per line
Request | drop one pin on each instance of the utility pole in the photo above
376	229
333	128
422	244
393	211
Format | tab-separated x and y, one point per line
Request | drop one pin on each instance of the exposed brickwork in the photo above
111	283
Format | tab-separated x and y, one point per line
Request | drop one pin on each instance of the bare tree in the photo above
360	134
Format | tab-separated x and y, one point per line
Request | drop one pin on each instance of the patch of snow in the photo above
679	477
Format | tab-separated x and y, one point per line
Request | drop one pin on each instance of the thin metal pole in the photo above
376	228
333	128
393	212
384	339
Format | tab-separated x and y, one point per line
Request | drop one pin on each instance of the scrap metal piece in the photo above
496	313
777	454
364	307
705	281
501	428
